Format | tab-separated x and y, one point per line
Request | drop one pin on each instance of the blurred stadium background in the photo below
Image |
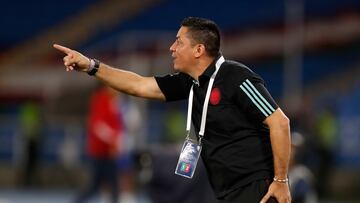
308	51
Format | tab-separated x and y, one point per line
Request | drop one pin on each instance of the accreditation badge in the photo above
188	159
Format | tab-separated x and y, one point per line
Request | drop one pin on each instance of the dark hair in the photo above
205	32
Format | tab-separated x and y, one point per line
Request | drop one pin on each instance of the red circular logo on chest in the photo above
215	96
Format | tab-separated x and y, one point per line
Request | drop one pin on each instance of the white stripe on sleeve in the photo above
255	96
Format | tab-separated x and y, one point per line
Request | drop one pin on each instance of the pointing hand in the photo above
73	59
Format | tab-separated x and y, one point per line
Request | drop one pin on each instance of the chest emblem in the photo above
215	96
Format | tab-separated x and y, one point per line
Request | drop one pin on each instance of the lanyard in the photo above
206	102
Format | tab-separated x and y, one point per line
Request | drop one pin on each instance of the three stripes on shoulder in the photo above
255	96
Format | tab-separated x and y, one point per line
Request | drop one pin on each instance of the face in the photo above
182	51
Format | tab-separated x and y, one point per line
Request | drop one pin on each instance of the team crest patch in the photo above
215	96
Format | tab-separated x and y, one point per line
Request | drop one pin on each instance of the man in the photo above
105	129
246	145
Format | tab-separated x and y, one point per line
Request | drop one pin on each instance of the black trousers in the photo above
251	193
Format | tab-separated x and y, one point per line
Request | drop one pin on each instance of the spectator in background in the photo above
126	159
300	177
326	127
31	129
174	122
105	127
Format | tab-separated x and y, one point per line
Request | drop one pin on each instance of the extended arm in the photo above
121	80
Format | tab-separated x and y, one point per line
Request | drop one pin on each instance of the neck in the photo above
200	67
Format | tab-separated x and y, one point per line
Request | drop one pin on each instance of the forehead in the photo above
182	33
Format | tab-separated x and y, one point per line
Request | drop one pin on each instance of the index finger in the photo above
62	48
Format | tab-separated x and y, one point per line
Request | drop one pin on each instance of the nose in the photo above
172	47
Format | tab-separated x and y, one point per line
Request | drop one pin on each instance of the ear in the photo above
199	50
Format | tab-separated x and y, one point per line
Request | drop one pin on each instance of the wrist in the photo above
94	65
281	180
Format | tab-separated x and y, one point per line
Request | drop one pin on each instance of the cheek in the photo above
184	53
182	59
